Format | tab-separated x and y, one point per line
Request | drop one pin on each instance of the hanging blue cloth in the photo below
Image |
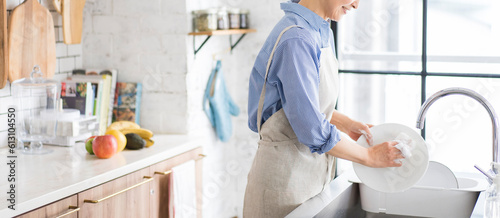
218	104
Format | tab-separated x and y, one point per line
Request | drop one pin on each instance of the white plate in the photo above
394	179
438	175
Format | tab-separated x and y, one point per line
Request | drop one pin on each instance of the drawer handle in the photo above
201	156
163	173
148	179
74	209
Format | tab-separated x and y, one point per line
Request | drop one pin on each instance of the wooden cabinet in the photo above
66	208
127	196
143	193
161	174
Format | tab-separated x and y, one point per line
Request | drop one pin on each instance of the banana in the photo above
144	133
149	142
119	125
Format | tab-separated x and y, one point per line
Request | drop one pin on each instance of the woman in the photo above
292	96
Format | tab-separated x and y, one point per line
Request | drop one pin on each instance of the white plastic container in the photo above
425	201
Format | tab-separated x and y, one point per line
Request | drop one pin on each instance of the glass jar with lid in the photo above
234	18
205	20
244	19
33	96
222	19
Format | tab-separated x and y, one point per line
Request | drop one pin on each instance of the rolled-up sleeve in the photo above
296	64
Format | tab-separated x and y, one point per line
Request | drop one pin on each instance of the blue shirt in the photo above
293	79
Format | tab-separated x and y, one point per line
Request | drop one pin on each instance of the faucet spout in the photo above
474	95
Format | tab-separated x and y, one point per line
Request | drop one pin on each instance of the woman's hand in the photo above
352	128
384	155
378	156
356	129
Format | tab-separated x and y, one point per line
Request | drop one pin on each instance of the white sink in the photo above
426	201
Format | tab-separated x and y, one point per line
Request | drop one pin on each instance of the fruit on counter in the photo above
121	140
104	146
144	133
135	141
126	127
119	125
88	144
149	142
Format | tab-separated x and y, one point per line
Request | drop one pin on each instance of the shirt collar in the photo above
314	20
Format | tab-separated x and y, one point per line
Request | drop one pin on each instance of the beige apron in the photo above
284	172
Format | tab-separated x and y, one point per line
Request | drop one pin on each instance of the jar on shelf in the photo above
244	19
222	19
234	18
205	20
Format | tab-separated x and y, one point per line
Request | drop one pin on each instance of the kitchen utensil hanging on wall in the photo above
57	5
31	41
4	55
72	16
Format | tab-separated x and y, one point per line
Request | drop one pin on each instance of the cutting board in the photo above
31	41
4	55
72	16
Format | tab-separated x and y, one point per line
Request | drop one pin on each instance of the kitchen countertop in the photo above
43	179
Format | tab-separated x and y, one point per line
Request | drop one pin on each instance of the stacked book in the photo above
98	87
127	102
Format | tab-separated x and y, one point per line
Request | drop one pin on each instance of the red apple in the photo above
104	146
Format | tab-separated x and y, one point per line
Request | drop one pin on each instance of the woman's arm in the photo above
381	155
352	128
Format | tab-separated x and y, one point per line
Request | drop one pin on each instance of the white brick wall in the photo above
147	42
68	58
226	174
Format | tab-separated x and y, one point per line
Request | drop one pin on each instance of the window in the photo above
394	54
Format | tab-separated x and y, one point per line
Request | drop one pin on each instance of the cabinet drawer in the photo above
127	196
66	208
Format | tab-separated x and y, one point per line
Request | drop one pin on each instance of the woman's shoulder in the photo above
295	32
298	32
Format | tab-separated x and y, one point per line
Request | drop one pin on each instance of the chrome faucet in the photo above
477	97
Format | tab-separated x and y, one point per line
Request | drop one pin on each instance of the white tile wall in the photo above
59	34
137	8
57	18
6	103
100	6
178	48
74	50
163	63
61	50
97	42
63	63
66	64
147	42
114	24
165	23
126	43
5	92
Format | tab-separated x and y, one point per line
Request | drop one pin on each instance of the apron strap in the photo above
263	92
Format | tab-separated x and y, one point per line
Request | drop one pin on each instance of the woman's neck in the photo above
315	6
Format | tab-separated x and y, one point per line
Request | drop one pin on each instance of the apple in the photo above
104	146
88	144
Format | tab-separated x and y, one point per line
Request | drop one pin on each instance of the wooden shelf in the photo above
223	32
209	34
